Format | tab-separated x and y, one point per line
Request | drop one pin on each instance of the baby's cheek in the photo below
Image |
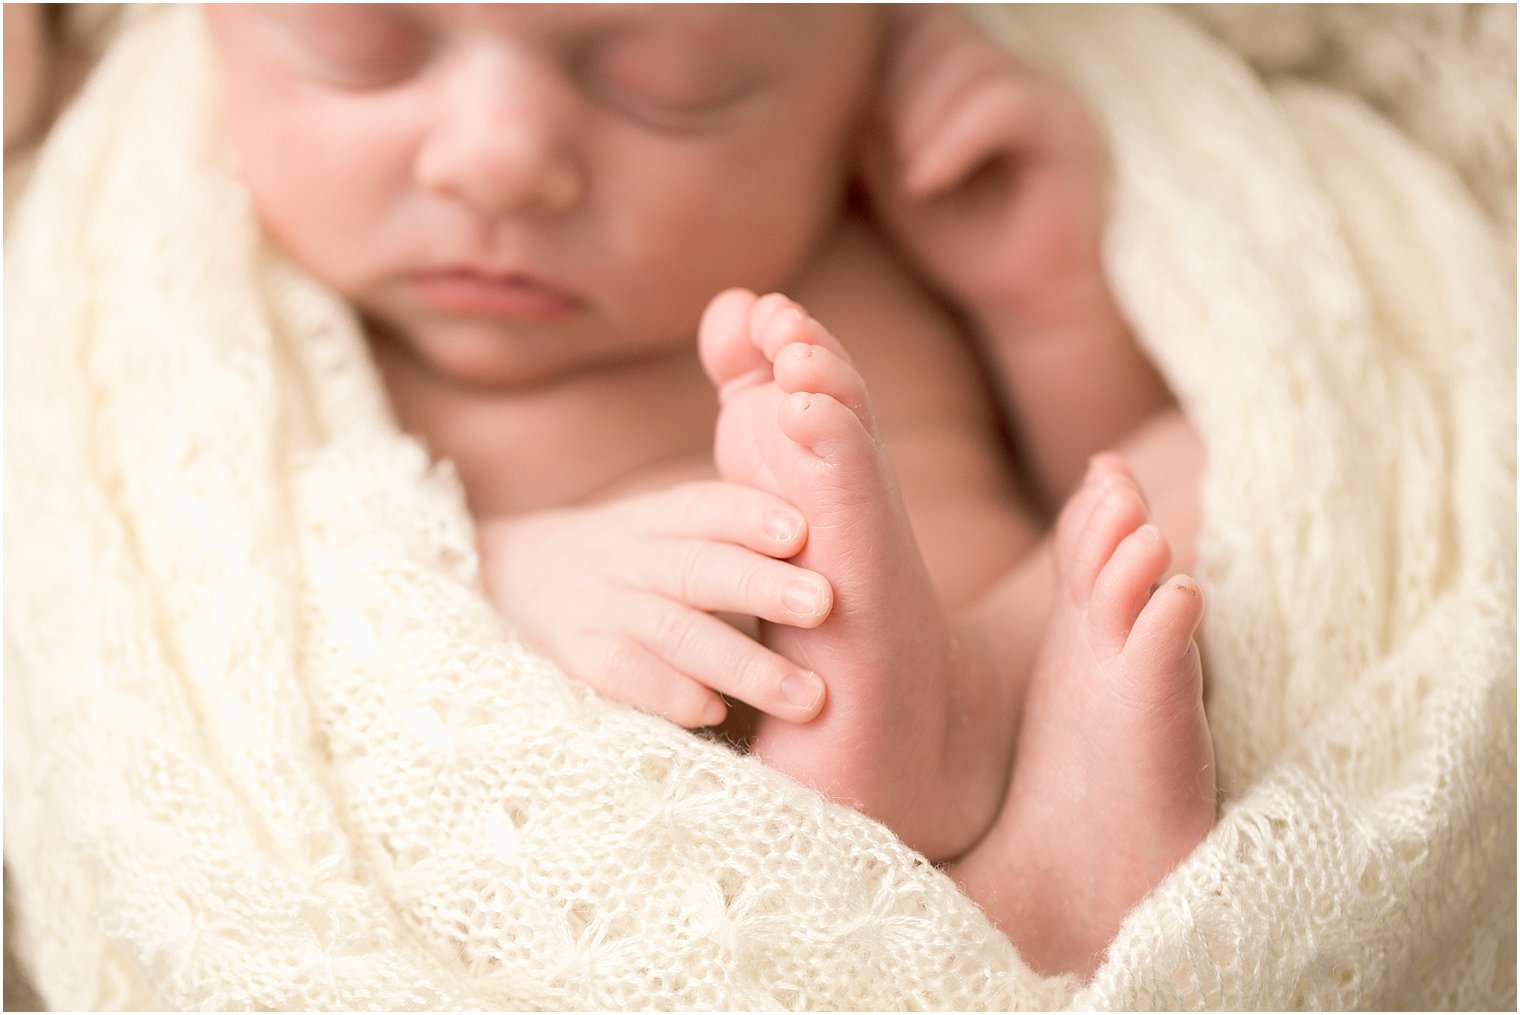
747	229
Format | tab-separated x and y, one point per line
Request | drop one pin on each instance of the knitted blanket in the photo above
267	745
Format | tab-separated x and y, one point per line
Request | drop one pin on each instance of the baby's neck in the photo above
563	442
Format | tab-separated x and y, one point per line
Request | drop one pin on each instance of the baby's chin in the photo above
504	355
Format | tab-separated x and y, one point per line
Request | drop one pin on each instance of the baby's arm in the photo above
989	174
622	596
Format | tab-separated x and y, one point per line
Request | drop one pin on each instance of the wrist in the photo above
1077	303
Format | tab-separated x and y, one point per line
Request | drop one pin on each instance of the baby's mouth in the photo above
512	295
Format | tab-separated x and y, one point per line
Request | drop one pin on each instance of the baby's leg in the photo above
915	729
1113	777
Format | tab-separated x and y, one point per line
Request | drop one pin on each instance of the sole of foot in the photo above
893	739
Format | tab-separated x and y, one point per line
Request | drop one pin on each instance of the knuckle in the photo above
613	657
670	632
761	674
756	585
690	564
622	671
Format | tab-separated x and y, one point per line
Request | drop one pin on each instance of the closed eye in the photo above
666	81
361	45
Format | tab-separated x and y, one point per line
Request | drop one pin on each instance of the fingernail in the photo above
804	690
802	599
782	527
1152	531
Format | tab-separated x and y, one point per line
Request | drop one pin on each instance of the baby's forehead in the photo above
756	25
775	33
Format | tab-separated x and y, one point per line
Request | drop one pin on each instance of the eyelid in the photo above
669	118
627	72
416	42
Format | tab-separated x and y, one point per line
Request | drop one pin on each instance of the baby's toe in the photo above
1103	471
1162	635
1118	512
724	343
807	367
1124	584
775	320
829	429
779	322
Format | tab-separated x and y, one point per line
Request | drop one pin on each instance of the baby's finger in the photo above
620	668
943	59
922	42
726	513
722	578
712	653
984	124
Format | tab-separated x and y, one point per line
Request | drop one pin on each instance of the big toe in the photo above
724	344
1117	513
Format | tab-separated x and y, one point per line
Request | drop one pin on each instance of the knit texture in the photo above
1445	73
267	744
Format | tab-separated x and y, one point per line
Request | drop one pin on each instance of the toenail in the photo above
799	350
1152	531
782	527
803	599
804	690
801	401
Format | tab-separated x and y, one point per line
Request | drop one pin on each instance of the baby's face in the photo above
515	192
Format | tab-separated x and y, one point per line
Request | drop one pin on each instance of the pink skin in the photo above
646	574
495	186
796	422
1113	778
989	173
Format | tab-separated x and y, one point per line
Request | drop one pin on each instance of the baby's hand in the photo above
987	171
622	596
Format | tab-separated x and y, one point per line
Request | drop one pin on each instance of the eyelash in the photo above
668	117
371	74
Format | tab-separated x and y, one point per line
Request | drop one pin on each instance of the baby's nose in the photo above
502	141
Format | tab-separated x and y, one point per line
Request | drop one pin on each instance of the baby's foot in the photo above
1113	776
795	420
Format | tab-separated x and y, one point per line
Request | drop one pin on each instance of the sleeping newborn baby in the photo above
554	222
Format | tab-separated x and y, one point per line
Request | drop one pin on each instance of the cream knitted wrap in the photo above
266	743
